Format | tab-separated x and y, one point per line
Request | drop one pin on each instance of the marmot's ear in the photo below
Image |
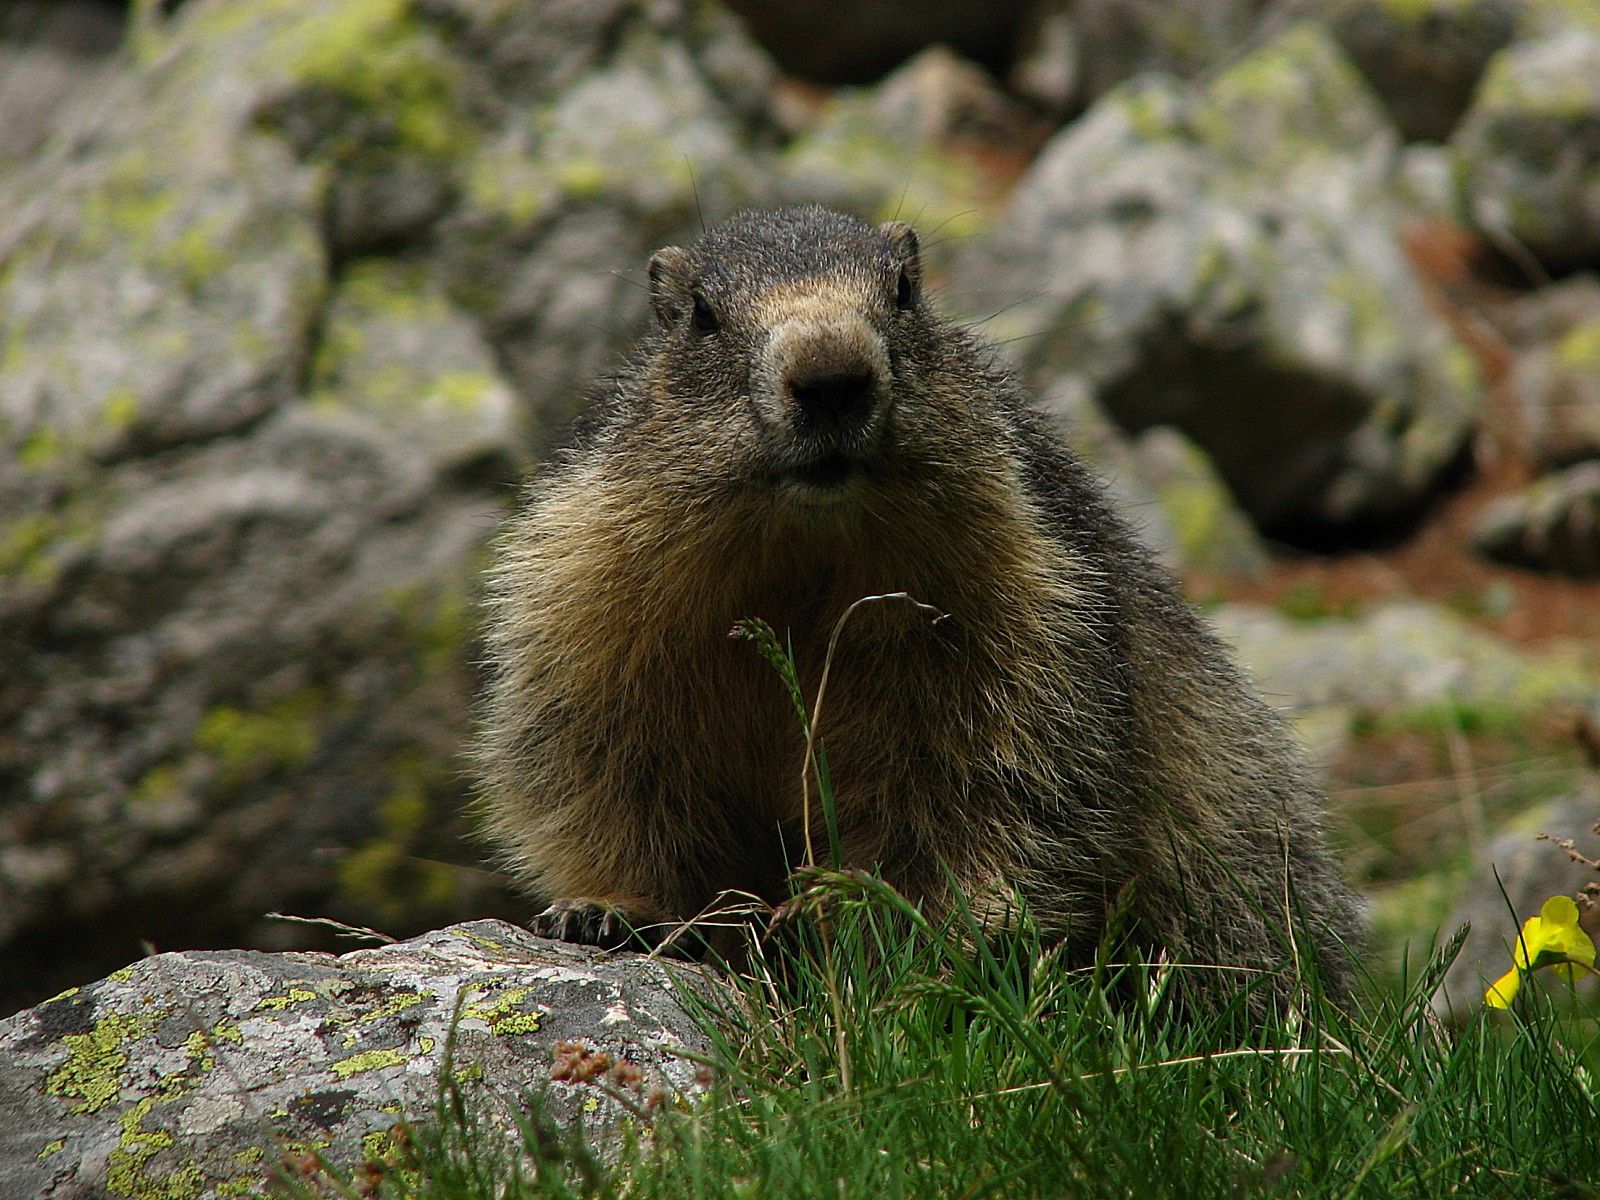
904	240
669	285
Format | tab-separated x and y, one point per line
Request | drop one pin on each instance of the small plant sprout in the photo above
1552	939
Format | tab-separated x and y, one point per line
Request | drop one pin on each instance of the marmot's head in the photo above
789	342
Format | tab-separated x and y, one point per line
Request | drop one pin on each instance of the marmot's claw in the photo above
594	923
586	922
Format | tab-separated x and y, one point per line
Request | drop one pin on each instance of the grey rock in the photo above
1227	259
1548	313
889	150
563	201
1555	382
205	1074
1071	52
1210	534
1397	656
1529	149
1163	484
1425	184
1552	525
1506	884
54	58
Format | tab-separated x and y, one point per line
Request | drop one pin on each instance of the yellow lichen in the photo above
295	995
367	1060
504	1013
93	1070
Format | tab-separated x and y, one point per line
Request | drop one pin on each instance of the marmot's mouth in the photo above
829	471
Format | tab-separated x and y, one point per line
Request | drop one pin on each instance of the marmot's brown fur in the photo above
802	431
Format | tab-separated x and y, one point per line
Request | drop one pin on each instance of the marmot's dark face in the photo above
782	353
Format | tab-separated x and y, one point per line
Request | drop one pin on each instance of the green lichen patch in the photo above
399	84
93	1072
394	344
387	878
506	1012
895	172
133	207
42	449
36	547
1579	350
249	744
365	1018
1367	308
127	1171
394	874
23	543
199	253
510	185
489	944
441	623
367	1060
295	995
200	1044
1549	80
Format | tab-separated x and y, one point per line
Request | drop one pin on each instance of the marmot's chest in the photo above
895	685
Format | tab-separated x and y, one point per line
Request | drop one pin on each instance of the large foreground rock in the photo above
200	1075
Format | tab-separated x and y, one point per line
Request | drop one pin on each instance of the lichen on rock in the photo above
202	1074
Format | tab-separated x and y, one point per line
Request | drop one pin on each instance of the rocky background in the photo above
293	291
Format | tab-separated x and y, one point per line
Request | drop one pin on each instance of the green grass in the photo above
871	1054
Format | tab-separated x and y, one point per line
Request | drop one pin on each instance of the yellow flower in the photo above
1552	939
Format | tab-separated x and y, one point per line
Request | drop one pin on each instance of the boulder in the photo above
1227	258
1529	150
1553	525
1209	533
1398	658
1555	382
207	1074
903	149
53	57
1071	52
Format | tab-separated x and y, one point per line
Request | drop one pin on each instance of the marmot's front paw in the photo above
595	923
588	922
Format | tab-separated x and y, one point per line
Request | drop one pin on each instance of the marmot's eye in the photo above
704	318
905	293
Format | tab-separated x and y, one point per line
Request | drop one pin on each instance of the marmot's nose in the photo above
828	397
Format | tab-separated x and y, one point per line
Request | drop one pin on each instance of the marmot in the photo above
801	431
